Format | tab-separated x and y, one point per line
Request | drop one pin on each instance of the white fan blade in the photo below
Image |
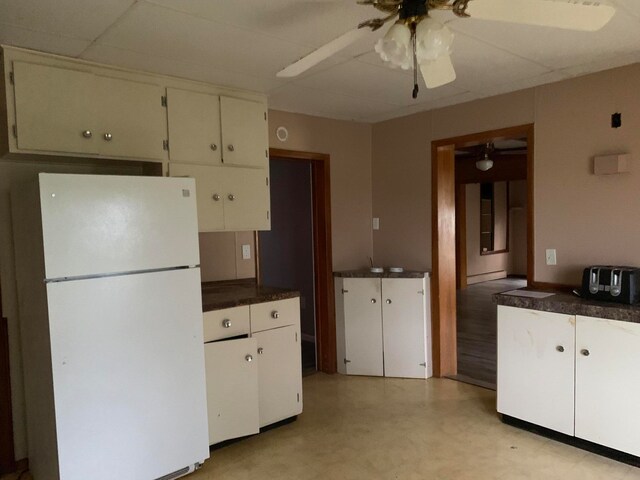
438	72
570	14
324	52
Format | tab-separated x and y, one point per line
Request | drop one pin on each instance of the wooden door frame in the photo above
7	454
322	253
443	221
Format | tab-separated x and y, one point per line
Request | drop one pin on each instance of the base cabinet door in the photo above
232	388
608	383
536	355
403	325
363	327
280	373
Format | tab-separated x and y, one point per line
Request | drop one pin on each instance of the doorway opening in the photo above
491	247
462	196
296	253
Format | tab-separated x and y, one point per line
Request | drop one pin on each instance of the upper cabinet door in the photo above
246	199
209	193
54	109
536	359
608	383
132	119
404	327
194	127
245	137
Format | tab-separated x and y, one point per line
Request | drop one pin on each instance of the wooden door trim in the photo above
322	252
443	305
7	453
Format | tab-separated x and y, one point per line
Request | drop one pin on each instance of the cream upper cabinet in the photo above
229	199
247	199
54	111
66	111
194	127
131	119
245	137
209	193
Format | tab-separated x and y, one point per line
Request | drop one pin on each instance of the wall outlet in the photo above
551	257
376	223
246	252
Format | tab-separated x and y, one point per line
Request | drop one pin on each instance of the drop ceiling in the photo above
243	43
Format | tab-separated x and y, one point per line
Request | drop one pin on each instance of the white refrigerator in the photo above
111	325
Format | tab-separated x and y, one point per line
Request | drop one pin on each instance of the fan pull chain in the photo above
415	66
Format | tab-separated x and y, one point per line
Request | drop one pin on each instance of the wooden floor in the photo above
476	328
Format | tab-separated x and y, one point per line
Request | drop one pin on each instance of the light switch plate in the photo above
551	256
376	223
246	252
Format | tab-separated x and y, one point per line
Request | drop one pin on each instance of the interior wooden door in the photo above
245	137
536	358
363	327
194	127
55	111
608	383
231	369
404	327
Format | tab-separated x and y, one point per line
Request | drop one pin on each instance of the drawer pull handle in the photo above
249	358
226	323
585	352
260	351
275	314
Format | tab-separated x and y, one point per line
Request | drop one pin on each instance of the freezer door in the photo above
128	375
99	224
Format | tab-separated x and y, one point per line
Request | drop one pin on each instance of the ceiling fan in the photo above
417	40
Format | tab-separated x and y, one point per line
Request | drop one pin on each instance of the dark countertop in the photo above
366	273
220	295
569	304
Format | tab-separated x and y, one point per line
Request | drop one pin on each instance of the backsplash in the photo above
221	256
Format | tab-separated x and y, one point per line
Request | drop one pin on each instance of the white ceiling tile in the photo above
631	6
194	40
192	71
555	47
480	66
73	18
309	22
602	63
297	99
46	42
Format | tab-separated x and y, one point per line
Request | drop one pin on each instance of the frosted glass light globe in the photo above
395	46
433	39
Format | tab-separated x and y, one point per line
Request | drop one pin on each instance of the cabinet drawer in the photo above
226	323
275	314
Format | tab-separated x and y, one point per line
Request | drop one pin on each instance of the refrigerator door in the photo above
128	375
100	224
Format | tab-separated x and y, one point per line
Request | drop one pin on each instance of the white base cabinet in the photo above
255	380
572	374
383	327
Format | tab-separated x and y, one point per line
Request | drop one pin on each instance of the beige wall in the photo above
588	219
14	174
349	145
221	256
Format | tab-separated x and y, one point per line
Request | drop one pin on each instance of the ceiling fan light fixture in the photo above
433	39
485	164
395	46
